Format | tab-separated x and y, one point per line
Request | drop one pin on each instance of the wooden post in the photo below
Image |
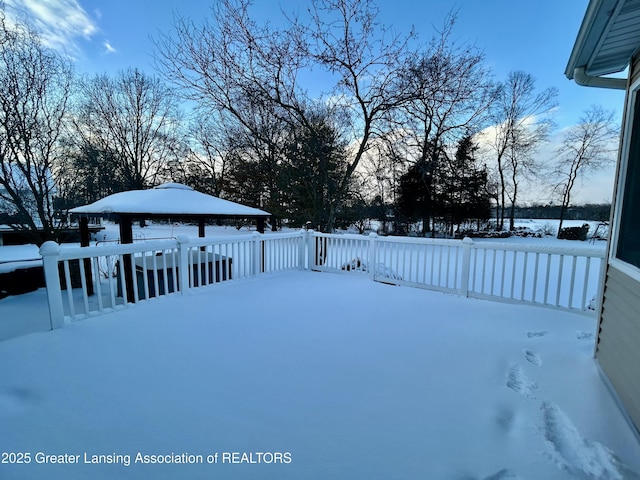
126	236
84	242
260	224
201	232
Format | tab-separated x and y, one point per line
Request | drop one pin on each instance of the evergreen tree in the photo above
415	200
452	191
463	193
314	168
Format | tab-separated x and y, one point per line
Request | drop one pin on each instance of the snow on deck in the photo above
314	376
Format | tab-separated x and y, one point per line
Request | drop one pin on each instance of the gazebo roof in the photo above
169	200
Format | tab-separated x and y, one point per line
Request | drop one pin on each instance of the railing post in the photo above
49	252
467	245
183	270
310	249
371	260
257	253
302	244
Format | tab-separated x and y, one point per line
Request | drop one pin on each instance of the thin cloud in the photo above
108	48
60	23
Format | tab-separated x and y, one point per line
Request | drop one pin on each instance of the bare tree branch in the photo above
586	147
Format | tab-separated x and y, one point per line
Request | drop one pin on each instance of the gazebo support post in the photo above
201	231
84	242
126	236
260	224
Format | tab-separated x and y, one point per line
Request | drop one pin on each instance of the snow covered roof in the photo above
170	199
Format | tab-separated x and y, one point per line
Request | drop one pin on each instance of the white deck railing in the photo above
93	280
561	277
90	281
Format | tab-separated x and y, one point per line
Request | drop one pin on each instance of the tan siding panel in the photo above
622	328
627	398
631	286
609	360
619	339
627	307
624	341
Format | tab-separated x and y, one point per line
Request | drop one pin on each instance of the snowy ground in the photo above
347	378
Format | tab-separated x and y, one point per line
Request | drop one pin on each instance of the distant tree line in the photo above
596	212
405	132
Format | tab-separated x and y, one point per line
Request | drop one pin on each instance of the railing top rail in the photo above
75	252
478	244
346	236
278	236
207	241
421	240
68	253
547	249
387	238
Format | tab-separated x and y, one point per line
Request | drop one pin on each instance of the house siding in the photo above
618	348
618	343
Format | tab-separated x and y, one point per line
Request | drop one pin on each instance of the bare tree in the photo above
382	169
449	91
586	147
35	87
522	122
231	61
345	37
136	119
449	94
255	161
208	162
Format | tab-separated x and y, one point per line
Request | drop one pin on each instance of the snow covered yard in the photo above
314	376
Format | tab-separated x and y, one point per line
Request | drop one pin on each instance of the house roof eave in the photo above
607	39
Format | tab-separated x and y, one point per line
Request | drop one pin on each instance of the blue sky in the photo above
534	36
105	36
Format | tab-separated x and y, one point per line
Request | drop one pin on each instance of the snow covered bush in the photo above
381	270
355	264
574	233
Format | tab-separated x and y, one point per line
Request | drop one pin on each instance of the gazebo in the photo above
169	200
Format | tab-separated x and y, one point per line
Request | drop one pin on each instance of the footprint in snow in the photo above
504	474
506	419
578	455
17	399
533	358
518	381
537	334
580	335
